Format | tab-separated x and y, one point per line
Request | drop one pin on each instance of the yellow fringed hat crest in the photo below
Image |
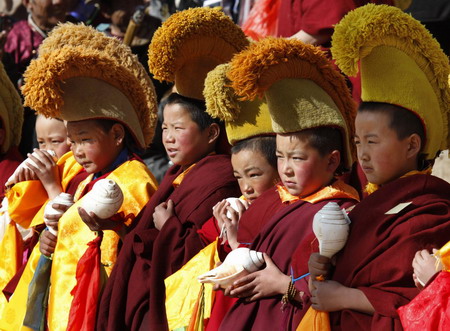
190	44
83	74
243	119
400	63
301	88
11	112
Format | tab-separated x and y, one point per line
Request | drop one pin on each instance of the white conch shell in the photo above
63	199
238	263
233	204
12	180
104	200
331	227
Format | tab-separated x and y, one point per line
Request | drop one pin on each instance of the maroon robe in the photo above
250	224
379	251
134	296
288	229
8	164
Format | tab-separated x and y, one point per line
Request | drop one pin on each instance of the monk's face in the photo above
52	135
382	155
184	141
302	169
93	147
253	172
48	13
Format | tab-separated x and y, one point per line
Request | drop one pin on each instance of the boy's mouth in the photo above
171	152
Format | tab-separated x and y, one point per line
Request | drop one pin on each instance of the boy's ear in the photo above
213	133
118	132
414	145
334	159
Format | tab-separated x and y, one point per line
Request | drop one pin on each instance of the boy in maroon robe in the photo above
313	144
11	118
187	46
400	128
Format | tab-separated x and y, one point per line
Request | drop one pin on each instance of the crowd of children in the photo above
270	124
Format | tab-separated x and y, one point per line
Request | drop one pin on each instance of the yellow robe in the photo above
25	207
138	185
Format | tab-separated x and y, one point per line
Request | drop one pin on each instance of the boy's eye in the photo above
254	175
56	142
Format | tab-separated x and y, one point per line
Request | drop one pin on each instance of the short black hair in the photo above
106	124
325	139
195	107
266	145
403	121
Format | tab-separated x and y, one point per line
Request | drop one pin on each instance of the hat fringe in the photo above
169	51
376	25
219	96
262	64
73	51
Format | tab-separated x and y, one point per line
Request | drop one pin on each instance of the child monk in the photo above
19	238
106	124
312	114
400	127
249	131
188	45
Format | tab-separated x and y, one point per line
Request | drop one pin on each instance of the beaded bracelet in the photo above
289	296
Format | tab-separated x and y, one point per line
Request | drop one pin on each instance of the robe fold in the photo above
289	229
384	237
137	184
135	293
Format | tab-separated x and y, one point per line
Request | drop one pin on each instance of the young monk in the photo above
310	151
105	124
249	131
188	45
19	240
400	127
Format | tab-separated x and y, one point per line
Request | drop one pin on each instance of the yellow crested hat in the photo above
190	44
11	112
83	74
243	119
300	86
400	63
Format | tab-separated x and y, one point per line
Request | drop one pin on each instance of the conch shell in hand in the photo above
62	199
331	227
104	200
13	180
237	264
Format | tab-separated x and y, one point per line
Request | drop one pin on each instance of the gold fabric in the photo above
337	190
138	185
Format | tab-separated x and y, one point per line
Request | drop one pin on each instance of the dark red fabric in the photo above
315	16
148	256
221	305
379	251
430	310
8	164
288	229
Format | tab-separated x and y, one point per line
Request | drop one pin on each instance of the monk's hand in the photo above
25	174
47	172
220	212
328	295
318	265
96	223
425	266
162	213
267	282
47	243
